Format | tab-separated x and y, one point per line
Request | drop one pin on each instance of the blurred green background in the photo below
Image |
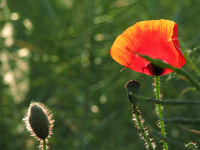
58	52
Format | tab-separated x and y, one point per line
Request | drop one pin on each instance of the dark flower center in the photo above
154	69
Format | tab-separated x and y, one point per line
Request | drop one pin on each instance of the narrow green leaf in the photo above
188	58
182	120
181	71
166	102
186	90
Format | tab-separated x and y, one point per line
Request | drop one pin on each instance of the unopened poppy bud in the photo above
39	122
133	86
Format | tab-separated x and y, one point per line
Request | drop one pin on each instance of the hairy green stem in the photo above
44	144
142	128
191	145
160	112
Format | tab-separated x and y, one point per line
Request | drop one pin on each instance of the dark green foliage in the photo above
60	56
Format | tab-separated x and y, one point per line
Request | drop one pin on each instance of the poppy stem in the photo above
192	145
160	112
143	130
44	144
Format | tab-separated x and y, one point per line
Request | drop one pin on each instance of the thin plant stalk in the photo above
160	112
44	144
192	145
142	130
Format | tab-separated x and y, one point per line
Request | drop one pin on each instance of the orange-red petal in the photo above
157	39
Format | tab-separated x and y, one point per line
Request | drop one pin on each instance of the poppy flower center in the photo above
154	69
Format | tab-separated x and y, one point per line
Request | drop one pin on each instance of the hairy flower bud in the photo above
133	86
39	122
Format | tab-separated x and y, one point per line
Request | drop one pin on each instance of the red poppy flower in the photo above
157	39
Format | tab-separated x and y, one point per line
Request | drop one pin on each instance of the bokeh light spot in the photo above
103	99
175	133
45	58
14	16
23	52
94	109
7	30
27	23
99	37
8	78
97	61
20	128
36	57
55	58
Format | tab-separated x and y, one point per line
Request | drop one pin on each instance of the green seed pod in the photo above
39	122
133	86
